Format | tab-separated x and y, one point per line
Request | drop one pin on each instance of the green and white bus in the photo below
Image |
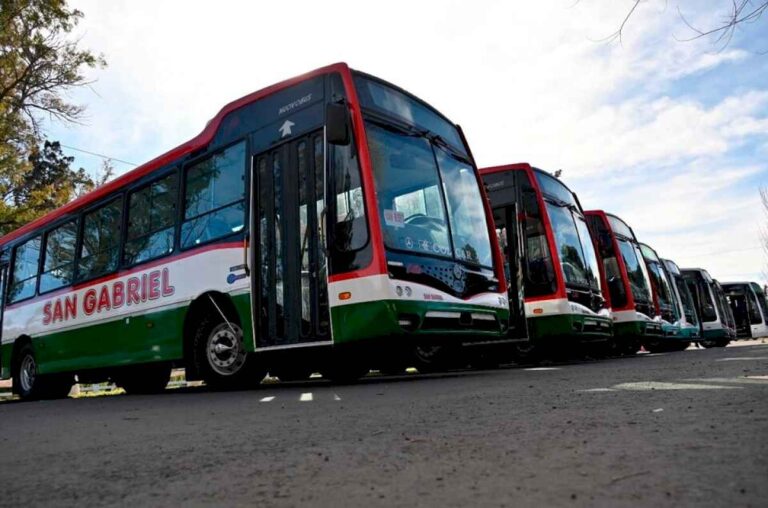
331	222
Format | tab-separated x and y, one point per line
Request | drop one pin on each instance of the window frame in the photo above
12	279
182	202
177	217
81	236
77	218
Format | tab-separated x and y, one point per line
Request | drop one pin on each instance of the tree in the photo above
39	63
739	12
47	182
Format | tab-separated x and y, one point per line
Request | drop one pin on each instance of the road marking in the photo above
599	390
336	397
748	380
267	399
306	397
543	368
658	385
657	354
743	358
658	410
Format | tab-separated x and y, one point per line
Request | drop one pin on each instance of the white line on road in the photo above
748	380
658	385
306	397
599	390
748	358
267	399
336	397
543	368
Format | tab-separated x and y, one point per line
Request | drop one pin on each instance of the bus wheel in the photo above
144	379
527	352
221	358
433	358
29	384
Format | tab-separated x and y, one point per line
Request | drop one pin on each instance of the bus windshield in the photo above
429	199
574	245
636	272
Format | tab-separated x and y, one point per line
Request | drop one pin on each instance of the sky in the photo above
669	134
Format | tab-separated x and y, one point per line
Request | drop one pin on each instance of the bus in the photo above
626	282
563	300
666	305
329	223
749	309
664	302
689	324
717	323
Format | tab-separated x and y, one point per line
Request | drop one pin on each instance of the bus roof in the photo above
702	271
649	252
196	143
523	166
671	266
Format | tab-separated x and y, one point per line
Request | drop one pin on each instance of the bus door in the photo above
288	238
502	193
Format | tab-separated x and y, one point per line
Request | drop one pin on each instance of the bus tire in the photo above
433	358
28	384
220	357
144	379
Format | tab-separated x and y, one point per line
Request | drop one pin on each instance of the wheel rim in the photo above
27	373
225	353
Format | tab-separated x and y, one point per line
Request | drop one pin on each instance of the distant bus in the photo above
560	278
331	222
717	323
749	309
666	303
625	281
688	320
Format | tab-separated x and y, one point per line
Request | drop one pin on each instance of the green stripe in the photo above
372	320
565	326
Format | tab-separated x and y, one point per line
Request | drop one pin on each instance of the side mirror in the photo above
337	124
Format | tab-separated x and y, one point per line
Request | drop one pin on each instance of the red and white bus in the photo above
625	281
564	303
331	222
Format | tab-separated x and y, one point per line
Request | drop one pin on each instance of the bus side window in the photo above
151	219
100	248
214	202
26	261
59	257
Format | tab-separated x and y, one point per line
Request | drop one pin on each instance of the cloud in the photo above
527	82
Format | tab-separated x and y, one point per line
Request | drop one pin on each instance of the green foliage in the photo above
39	63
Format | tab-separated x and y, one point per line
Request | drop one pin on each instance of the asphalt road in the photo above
677	429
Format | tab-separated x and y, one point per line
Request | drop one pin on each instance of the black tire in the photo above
434	358
527	352
144	379
221	359
29	385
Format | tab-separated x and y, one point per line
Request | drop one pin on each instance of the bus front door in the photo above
287	235
509	234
